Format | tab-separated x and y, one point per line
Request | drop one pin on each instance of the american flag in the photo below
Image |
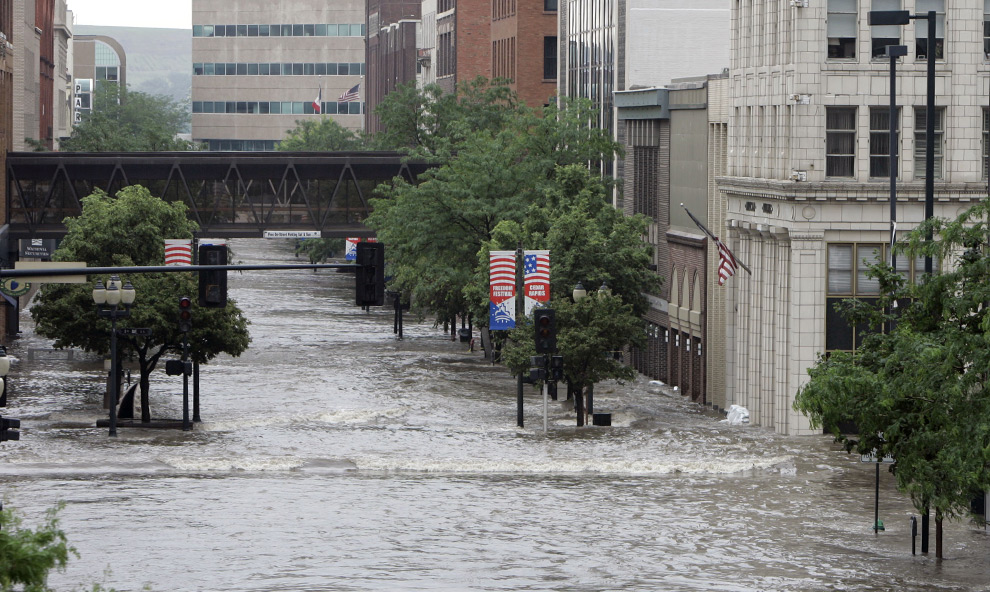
350	96
537	268
726	262
502	269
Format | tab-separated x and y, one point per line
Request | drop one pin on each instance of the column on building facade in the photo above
781	341
807	314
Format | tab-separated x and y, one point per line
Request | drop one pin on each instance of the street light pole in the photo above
893	52
108	300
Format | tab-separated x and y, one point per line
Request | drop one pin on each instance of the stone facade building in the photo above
258	67
807	186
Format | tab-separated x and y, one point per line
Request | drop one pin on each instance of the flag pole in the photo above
713	237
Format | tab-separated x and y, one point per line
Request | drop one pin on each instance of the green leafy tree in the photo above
318	250
130	230
495	158
130	121
917	387
28	555
323	135
592	243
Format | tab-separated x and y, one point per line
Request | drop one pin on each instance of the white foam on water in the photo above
566	466
339	416
233	463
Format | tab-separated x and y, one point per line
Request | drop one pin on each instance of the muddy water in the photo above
334	457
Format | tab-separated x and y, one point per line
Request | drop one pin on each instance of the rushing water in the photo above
334	457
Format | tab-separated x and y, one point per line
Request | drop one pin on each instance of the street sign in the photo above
872	458
138	331
291	234
14	287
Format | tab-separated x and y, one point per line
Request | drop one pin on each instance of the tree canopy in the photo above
124	120
508	175
323	135
28	555
917	388
129	230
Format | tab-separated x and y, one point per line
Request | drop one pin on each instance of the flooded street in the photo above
334	457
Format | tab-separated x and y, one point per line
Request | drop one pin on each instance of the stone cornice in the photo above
845	191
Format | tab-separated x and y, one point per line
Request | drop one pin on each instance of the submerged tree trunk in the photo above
938	534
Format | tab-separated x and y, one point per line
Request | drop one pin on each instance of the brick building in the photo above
391	51
524	48
807	186
34	73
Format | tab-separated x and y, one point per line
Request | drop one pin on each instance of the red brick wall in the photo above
472	39
527	25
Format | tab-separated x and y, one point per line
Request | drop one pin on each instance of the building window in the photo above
921	29
550	58
840	141
841	28
920	131
549	5
884	35
986	142
880	140
986	29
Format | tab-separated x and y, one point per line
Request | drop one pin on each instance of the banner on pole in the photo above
536	279
350	253
502	290
178	251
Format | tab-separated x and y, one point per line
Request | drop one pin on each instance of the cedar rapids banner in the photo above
536	279
502	290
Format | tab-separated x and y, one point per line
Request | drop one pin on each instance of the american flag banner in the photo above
351	95
536	279
726	263
178	251
502	290
350	251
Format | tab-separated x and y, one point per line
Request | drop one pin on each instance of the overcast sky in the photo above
168	14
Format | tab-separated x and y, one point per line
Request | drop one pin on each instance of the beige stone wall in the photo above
782	209
272	49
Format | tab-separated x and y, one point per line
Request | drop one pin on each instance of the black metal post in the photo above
196	417
519	401
114	380
914	535
876	502
186	426
930	155
893	154
924	530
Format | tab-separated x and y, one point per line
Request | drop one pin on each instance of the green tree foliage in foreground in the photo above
130	121
508	175
129	230
28	555
323	135
918	390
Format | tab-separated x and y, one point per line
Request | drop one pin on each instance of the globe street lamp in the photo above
579	292
114	302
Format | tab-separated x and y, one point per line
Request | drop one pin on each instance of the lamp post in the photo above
4	369
578	294
893	52
903	17
114	302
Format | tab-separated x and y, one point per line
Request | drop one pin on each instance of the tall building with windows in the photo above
394	28
258	67
96	60
807	186
524	48
34	74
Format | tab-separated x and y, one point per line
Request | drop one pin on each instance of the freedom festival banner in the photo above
536	279
502	290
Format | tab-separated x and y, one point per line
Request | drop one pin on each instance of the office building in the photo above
258	67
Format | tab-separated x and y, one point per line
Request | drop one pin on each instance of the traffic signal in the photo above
185	314
213	282
369	283
178	368
546	331
8	429
556	368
